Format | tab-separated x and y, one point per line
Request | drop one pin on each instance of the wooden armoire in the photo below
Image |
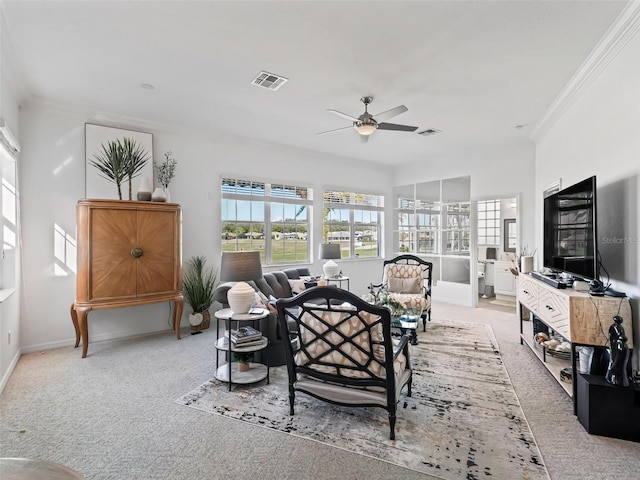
129	253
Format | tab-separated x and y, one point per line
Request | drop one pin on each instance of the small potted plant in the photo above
198	284
395	306
243	360
165	172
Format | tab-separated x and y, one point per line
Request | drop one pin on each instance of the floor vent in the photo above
269	81
428	132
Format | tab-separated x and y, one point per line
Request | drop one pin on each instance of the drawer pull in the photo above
525	291
136	252
548	307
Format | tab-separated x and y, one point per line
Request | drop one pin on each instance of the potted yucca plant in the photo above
199	282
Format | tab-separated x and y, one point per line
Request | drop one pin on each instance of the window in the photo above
431	227
271	218
457	228
432	220
355	221
489	222
9	200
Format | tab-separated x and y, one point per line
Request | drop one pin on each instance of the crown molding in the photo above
625	27
109	119
98	116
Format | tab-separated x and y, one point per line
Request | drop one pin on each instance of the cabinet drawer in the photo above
528	292
553	308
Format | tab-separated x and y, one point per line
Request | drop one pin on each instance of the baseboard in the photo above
103	337
10	369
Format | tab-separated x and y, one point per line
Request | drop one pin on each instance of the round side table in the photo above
256	371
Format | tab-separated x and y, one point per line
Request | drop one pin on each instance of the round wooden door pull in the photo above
136	252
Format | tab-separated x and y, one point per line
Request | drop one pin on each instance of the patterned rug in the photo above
463	421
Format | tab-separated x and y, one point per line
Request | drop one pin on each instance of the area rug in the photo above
463	420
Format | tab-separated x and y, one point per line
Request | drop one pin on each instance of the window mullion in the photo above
267	232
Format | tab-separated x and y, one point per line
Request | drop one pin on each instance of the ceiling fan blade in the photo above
364	138
395	126
344	115
380	117
336	130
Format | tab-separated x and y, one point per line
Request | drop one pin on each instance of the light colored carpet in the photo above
503	303
112	416
463	420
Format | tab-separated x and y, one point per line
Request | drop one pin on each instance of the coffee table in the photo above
407	324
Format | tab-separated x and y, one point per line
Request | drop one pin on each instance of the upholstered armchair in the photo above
407	278
341	351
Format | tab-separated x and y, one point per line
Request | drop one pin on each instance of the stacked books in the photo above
244	336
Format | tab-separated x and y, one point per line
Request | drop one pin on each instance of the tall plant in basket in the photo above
199	282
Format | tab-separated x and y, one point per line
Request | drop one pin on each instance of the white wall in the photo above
506	172
599	134
53	169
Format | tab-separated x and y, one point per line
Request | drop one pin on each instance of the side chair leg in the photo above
392	425
292	398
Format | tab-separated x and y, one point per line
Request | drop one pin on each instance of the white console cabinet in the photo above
578	317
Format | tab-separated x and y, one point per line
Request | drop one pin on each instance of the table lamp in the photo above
329	251
240	267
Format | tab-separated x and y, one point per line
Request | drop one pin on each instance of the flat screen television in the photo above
570	231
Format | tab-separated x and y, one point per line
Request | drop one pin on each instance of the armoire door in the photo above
112	267
158	238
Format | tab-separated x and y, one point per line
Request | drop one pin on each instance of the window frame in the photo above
354	202
264	195
484	231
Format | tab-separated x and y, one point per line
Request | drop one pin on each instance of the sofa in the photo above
277	285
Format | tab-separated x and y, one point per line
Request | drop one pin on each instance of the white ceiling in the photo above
473	69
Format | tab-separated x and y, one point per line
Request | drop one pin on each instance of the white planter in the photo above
241	297
526	264
158	195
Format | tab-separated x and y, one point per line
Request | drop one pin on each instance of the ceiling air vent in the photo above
269	81
428	132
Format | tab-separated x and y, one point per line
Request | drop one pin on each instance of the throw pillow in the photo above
264	298
297	286
404	285
258	301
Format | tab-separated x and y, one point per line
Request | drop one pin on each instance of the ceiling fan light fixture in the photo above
366	128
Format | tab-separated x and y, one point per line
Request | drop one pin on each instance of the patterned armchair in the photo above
341	351
407	278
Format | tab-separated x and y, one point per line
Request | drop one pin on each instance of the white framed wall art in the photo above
97	186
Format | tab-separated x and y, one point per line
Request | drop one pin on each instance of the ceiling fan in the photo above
367	123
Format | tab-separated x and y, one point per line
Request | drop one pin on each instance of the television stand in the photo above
578	317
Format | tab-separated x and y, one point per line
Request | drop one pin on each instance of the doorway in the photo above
496	235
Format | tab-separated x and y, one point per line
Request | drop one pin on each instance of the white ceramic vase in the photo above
158	195
330	269
526	264
241	297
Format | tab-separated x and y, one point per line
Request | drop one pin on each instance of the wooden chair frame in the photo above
427	273
306	313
